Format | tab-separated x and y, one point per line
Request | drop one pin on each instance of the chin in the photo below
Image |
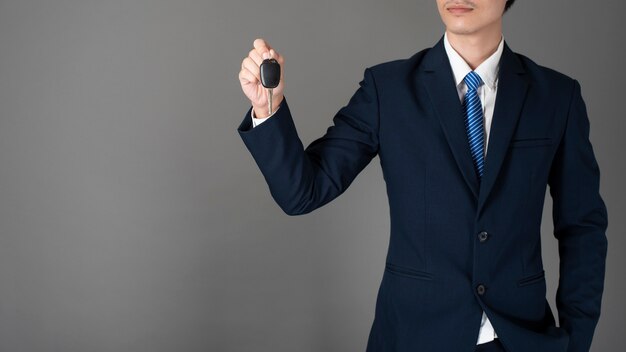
460	29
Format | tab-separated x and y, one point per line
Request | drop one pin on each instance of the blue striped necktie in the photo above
474	121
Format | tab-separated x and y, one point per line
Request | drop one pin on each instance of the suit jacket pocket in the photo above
531	279
530	142
407	272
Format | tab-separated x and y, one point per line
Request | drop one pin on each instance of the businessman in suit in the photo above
469	136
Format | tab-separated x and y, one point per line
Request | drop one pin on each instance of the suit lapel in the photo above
512	89
439	83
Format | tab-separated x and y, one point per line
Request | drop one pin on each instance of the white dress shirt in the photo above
256	122
488	72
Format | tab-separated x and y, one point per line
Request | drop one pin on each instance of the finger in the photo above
262	47
252	67
277	56
247	77
260	43
256	57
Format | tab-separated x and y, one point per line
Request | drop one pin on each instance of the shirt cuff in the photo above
256	122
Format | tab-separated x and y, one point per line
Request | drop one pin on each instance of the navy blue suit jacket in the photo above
459	245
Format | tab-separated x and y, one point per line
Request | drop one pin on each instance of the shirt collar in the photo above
488	70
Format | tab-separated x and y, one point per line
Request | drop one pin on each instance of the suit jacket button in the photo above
480	289
483	236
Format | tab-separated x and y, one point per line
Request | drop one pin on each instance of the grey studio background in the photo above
132	218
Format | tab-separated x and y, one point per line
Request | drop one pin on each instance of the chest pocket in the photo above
531	142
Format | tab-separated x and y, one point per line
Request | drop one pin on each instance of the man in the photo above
469	135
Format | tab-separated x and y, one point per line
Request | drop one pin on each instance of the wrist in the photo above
262	111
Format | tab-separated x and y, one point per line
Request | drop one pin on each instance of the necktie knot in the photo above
472	80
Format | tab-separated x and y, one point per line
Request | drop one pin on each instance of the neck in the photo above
476	47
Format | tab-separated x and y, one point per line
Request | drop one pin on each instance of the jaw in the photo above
471	27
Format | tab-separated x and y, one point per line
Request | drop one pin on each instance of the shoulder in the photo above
543	76
399	68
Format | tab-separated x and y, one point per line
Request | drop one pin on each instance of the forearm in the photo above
279	154
580	223
300	179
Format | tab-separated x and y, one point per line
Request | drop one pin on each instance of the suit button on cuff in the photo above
480	289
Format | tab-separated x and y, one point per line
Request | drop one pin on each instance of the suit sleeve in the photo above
303	179
580	221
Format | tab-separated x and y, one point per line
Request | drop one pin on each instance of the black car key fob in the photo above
270	77
270	73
